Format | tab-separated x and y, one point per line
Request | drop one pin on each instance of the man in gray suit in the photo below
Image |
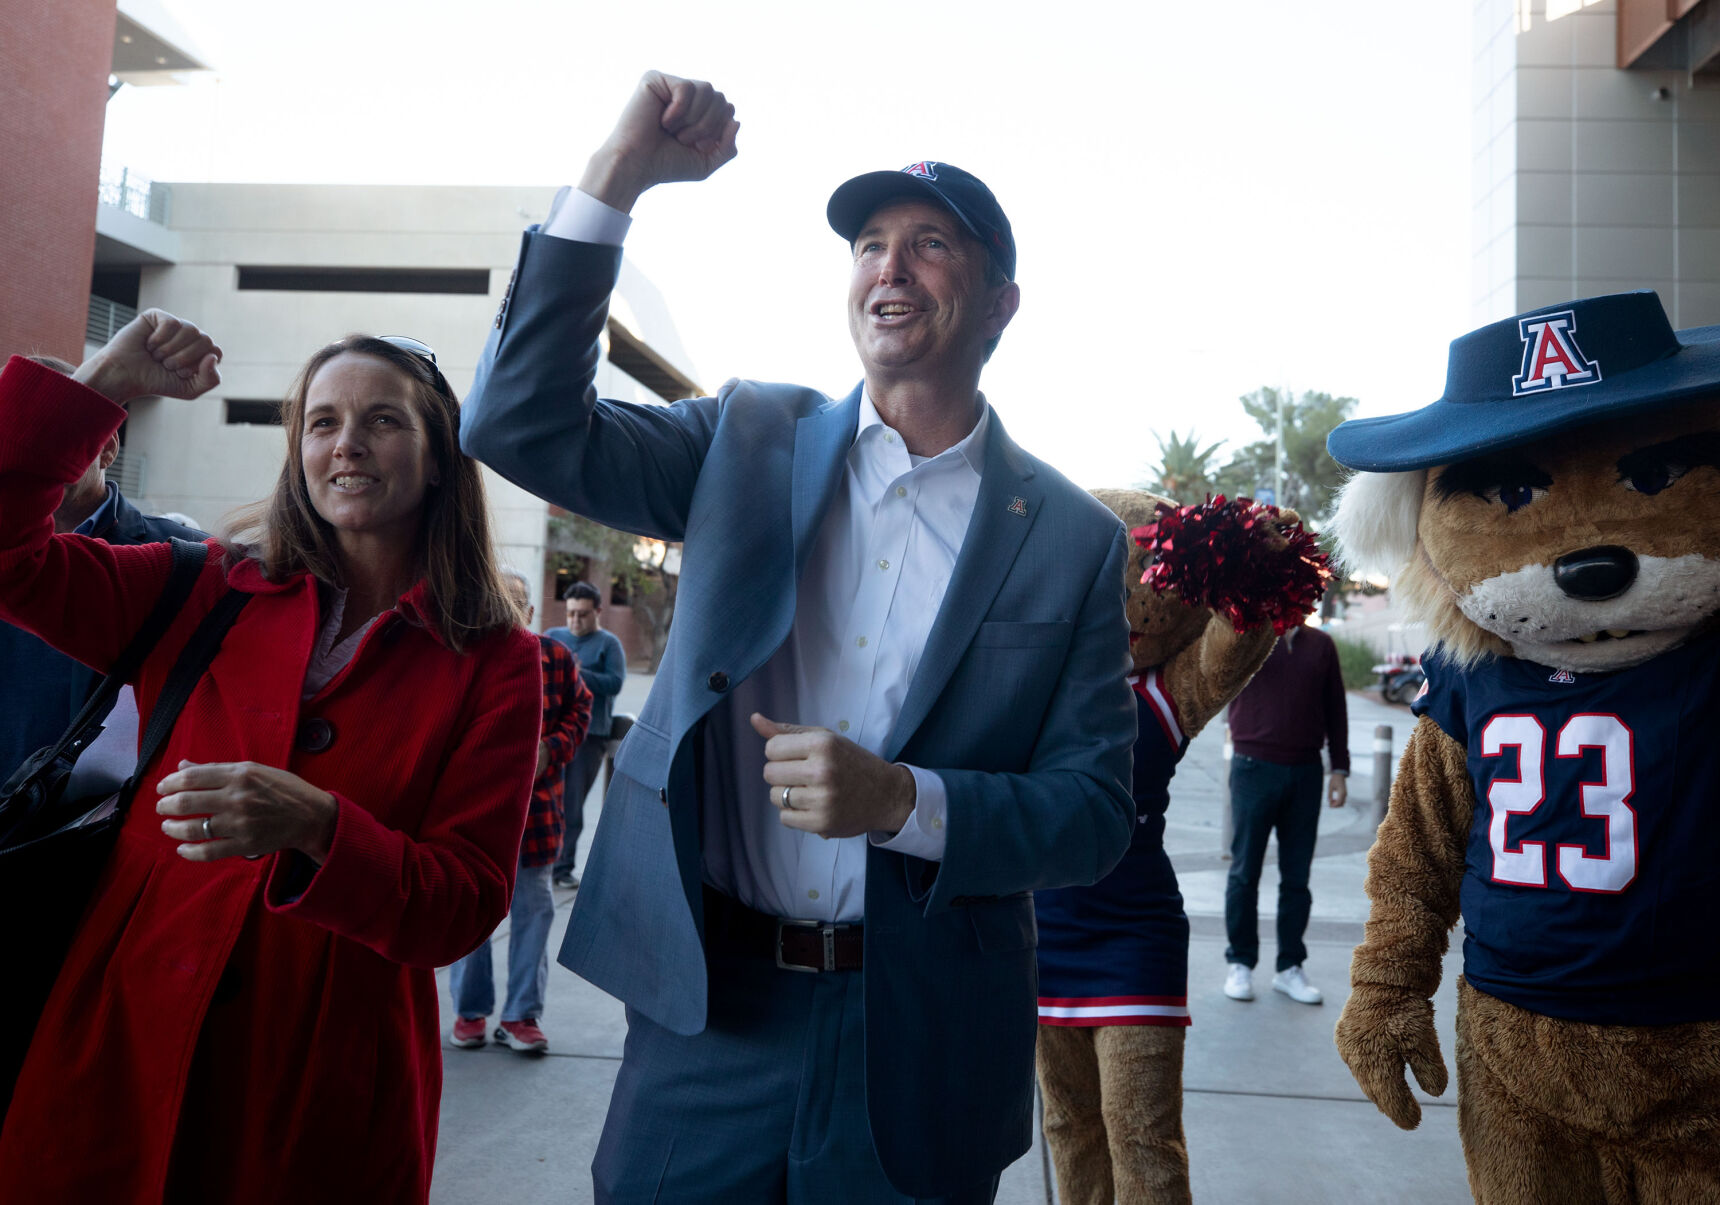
892	705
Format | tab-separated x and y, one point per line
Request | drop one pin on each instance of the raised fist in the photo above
153	355
672	129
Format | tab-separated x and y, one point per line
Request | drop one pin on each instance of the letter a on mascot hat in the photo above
1548	370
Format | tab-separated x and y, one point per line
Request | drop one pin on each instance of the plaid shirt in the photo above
566	716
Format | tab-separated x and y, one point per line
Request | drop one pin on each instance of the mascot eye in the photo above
1654	479
1516	497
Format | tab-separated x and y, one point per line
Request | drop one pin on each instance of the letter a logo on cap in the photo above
925	169
1551	357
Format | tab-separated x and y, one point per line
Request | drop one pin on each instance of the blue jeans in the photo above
1264	796
472	980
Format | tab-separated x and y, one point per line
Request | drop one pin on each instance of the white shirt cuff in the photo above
923	835
583	218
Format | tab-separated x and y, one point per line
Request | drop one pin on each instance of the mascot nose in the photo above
1595	574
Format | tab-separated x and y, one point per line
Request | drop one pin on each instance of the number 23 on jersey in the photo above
1607	800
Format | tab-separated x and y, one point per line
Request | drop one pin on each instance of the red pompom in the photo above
1221	554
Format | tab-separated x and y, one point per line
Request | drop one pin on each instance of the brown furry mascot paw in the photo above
1113	957
1382	1030
1555	520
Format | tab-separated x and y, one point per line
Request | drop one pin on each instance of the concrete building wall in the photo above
190	458
54	60
1588	179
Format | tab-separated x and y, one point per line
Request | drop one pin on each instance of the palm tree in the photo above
1185	468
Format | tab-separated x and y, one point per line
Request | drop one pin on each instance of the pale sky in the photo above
1206	197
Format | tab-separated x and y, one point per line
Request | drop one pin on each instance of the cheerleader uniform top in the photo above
1116	953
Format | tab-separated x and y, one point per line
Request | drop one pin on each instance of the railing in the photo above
135	193
105	319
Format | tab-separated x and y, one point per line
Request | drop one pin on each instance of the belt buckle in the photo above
828	932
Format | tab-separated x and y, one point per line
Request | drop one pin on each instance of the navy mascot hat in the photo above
1548	370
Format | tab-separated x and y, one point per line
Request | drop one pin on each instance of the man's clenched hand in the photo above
837	788
672	129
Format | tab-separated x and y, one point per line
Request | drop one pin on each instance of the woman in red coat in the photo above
248	1011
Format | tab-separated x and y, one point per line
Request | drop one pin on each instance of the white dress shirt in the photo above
874	581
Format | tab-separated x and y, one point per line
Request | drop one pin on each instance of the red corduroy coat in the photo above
244	1030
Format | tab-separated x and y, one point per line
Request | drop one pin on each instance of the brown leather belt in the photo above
794	945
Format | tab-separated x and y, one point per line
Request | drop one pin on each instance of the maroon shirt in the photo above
1294	705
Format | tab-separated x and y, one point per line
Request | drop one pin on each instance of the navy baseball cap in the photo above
962	193
1545	371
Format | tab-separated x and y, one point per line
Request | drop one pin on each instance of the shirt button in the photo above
812	894
937	821
901	491
842	725
861	642
889	437
883	564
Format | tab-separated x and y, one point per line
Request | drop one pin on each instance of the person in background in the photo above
566	715
1292	707
247	1011
41	689
603	667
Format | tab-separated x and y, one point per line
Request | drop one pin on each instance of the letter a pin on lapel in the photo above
1018	506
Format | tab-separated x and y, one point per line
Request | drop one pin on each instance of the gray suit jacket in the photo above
1019	704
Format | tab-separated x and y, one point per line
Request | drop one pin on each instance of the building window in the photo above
366	280
255	412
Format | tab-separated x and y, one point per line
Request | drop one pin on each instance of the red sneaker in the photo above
468	1032
523	1036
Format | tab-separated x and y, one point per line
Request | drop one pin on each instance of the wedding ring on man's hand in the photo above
207	834
786	805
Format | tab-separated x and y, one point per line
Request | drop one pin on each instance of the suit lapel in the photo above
1003	513
821	443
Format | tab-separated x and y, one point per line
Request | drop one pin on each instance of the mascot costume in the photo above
1555	520
1209	587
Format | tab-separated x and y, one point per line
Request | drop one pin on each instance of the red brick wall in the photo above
54	62
629	631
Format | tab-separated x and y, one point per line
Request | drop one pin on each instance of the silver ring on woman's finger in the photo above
208	835
786	805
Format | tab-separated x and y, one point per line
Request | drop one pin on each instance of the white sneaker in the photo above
1239	984
1293	983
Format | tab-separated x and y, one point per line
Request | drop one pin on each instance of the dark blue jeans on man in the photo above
1263	797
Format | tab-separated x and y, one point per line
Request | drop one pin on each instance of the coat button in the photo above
663	796
718	681
315	735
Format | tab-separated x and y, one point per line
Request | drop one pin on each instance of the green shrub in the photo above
1356	660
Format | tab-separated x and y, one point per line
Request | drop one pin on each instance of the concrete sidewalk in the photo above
1271	1113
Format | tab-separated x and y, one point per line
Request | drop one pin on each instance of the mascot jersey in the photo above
1591	888
1116	953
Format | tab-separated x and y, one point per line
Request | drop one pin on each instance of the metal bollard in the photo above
1382	771
1227	823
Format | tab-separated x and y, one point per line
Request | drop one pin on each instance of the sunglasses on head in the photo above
424	352
408	344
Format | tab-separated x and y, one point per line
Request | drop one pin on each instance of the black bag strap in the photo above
194	659
188	562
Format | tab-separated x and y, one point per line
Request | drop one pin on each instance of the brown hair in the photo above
286	535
